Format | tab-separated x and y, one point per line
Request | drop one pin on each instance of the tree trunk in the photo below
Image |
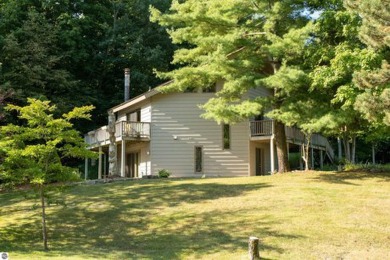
373	154
347	149
112	154
44	230
281	147
340	152
279	130
353	152
305	155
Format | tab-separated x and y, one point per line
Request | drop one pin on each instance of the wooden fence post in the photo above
254	248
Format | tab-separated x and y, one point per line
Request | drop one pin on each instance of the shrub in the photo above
367	167
163	173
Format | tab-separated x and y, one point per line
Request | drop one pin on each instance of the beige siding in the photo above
145	111
177	128
257	92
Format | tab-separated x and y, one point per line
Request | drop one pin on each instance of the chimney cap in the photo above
127	71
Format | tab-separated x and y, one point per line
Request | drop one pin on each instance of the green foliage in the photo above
373	168
376	14
33	152
245	45
73	52
374	100
294	159
238	42
163	173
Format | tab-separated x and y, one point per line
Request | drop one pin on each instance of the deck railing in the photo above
262	128
134	129
266	128
97	136
123	129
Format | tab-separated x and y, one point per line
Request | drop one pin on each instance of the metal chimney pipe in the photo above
127	84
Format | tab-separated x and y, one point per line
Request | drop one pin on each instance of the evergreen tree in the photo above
31	63
73	52
246	44
374	101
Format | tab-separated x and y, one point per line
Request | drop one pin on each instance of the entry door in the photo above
132	164
259	161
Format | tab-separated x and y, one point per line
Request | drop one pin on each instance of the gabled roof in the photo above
156	90
137	99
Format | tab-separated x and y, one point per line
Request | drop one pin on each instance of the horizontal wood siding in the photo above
177	128
145	108
258	92
146	115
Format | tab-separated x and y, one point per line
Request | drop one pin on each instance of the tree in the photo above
33	152
333	57
245	44
32	62
374	101
73	52
3	96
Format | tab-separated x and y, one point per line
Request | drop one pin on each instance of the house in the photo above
156	131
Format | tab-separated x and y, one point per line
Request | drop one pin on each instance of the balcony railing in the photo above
293	134
133	129
123	130
262	128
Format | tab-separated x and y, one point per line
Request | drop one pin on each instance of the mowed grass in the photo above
314	215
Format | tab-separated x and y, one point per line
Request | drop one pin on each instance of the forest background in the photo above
332	53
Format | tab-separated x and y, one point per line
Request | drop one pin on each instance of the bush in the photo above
367	167
163	173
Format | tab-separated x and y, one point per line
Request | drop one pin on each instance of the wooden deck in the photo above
124	130
264	129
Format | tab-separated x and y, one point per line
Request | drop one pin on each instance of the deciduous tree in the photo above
33	152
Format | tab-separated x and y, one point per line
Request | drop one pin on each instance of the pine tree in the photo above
247	44
374	102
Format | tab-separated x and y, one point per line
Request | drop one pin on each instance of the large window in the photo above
198	159
226	136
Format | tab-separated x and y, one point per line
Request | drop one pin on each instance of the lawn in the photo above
314	215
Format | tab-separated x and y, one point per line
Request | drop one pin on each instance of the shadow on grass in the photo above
8	198
146	219
347	177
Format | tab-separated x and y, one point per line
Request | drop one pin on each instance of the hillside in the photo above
296	216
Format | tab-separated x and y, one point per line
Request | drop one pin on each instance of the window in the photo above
226	136
198	159
134	116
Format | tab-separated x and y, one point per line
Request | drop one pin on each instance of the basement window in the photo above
226	136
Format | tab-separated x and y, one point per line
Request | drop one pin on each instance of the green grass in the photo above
317	215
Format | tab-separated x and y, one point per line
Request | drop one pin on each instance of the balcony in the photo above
124	130
264	129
